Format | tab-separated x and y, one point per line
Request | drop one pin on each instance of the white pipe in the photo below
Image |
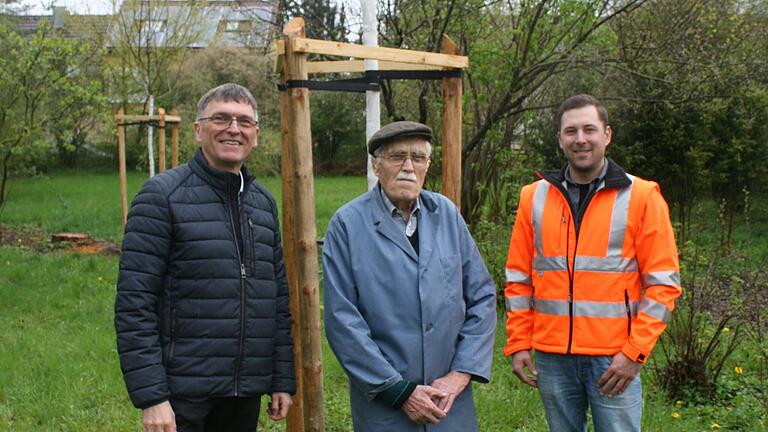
150	130
372	99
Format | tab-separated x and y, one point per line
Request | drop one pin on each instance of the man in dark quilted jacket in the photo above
201	312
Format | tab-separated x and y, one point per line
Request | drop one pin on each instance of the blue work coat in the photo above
391	314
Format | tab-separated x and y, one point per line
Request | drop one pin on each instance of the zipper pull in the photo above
242	270
250	223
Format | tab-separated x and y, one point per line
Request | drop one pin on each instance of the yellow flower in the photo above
715	426
676	415
726	330
99	279
738	370
679	403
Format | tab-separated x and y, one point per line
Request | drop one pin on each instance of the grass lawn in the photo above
58	362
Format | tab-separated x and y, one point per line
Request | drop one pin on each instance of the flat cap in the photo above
396	131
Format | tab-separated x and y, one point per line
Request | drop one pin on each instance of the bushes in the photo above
724	305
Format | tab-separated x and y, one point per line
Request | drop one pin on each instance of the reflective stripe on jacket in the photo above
610	287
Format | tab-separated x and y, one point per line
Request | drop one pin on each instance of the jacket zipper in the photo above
629	312
241	340
571	265
571	268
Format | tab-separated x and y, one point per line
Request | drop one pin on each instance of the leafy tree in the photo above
739	152
42	84
683	66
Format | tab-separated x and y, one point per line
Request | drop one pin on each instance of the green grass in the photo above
90	202
58	363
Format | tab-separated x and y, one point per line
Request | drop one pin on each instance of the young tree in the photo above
42	83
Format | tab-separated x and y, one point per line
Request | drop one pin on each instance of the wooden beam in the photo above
305	235
121	167
342	66
161	140
280	58
304	45
174	140
451	130
141	117
295	419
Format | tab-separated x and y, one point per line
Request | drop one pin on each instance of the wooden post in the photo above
161	139
451	130
174	140
121	165
305	243
295	420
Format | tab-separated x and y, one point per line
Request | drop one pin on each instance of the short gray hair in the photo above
229	92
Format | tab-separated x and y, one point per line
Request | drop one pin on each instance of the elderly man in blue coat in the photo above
409	304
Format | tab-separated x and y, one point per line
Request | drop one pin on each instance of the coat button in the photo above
429	327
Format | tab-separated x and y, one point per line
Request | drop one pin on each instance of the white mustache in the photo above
406	176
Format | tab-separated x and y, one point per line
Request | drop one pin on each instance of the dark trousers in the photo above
228	414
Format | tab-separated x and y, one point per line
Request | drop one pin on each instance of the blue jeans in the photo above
568	385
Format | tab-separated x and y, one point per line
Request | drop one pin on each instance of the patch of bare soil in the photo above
34	238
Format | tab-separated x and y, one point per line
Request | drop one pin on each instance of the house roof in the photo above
218	22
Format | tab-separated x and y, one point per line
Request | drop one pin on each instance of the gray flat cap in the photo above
396	131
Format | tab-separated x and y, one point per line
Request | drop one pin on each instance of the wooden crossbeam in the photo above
139	117
395	55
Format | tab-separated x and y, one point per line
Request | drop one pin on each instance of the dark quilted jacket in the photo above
190	319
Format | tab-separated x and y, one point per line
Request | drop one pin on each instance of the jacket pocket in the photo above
629	312
451	269
252	246
172	334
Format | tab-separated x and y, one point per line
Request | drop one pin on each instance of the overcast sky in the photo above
93	7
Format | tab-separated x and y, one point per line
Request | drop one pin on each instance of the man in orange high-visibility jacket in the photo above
592	277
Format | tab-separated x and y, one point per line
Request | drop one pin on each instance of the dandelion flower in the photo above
738	370
715	426
679	403
676	415
726	330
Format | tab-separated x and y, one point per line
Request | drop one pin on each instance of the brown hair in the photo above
581	101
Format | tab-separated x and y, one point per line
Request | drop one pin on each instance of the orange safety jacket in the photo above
609	287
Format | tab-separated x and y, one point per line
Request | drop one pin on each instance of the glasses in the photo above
224	120
399	158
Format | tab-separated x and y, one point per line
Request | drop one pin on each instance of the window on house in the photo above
234	26
150	26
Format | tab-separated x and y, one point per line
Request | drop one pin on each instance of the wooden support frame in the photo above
297	137
162	119
298	185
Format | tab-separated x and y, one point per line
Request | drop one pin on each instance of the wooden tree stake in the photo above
297	127
295	420
121	164
161	139
174	140
451	130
